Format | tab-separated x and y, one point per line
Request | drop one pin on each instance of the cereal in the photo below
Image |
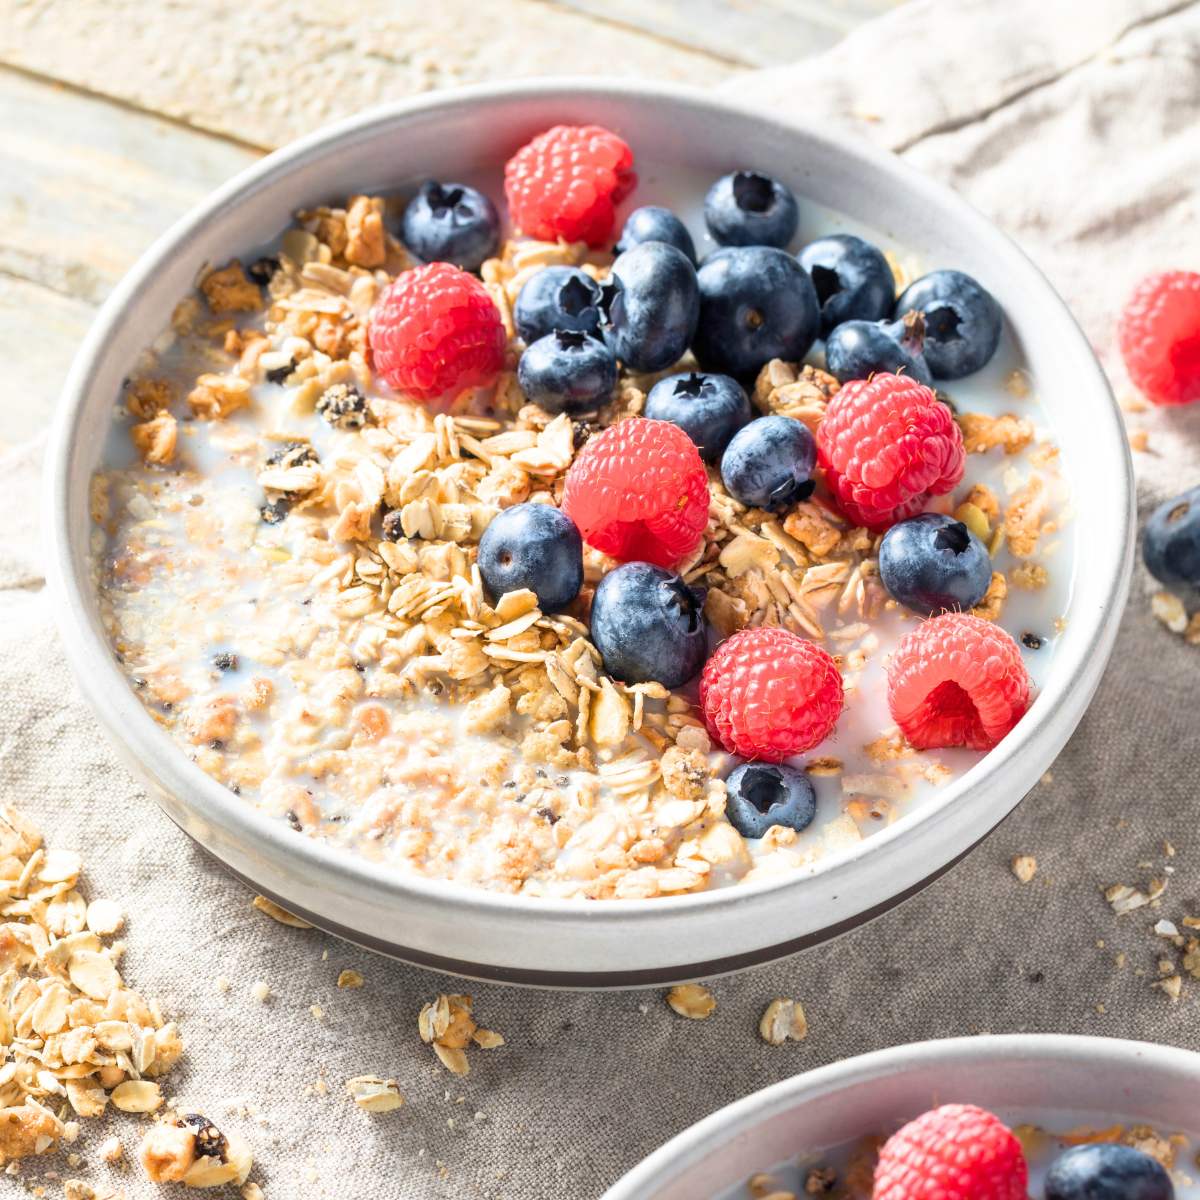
289	579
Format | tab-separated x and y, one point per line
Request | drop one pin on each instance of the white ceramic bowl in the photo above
1087	1079
614	943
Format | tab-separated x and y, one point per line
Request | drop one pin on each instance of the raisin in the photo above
279	374
293	454
210	1141
274	511
1031	641
262	269
393	531
548	814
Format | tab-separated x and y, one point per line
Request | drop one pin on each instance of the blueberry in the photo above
1107	1171
567	372
769	463
655	224
710	409
450	222
931	563
852	278
756	304
962	322
759	795
749	209
534	546
1171	546
557	298
858	349
648	625
649	307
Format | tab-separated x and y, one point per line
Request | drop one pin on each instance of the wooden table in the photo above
116	116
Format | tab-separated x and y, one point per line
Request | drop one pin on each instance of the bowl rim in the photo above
740	1117
130	725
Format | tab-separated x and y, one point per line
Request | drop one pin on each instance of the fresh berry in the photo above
435	331
1171	544
759	795
1107	1171
885	445
769	463
756	304
749	209
962	322
638	490
766	693
567	182
567	372
852	278
650	305
957	680
956	1152
534	546
860	349
710	409
557	298
932	563
655	224
648	625
450	222
1160	337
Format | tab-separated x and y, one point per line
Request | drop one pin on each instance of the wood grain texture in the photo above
85	186
754	33
269	71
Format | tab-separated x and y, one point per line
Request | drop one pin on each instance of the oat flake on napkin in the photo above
1073	125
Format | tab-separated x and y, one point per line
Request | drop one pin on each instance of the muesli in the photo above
692	653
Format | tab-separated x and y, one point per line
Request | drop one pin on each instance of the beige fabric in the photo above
1073	125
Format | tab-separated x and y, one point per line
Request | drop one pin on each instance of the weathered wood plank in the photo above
753	33
85	186
268	71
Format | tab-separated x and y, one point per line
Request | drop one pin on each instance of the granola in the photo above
287	574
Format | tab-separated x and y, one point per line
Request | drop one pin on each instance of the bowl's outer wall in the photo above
875	1093
558	939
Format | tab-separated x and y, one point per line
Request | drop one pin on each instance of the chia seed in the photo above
393	531
343	406
548	814
1031	641
262	269
274	511
292	454
225	661
293	821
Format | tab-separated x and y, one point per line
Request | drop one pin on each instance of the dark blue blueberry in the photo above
1171	544
750	209
1107	1171
710	409
756	304
648	625
852	278
769	463
931	563
534	546
655	224
759	795
567	372
450	222
649	306
557	298
962	322
858	349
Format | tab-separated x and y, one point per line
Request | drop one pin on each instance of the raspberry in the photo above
1160	337
435	331
957	680
638	490
956	1152
766	693
567	182
886	444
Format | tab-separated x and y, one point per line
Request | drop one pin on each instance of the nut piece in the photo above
692	1000
373	1094
276	913
1024	867
168	1151
783	1020
137	1096
349	978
